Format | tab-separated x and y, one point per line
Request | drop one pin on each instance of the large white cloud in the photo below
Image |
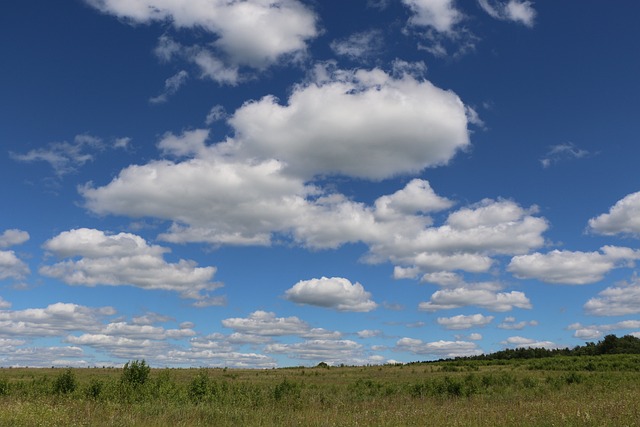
335	292
623	217
572	268
252	32
124	259
362	123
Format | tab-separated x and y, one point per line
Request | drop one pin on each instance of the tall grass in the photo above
589	391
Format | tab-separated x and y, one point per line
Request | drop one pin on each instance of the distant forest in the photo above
611	344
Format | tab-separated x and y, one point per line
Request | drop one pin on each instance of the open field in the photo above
559	391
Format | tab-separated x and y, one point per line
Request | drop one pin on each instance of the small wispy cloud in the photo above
520	11
67	157
362	45
64	157
561	152
171	87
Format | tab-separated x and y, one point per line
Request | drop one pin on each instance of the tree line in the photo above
610	344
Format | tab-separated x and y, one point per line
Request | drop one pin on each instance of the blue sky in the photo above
269	183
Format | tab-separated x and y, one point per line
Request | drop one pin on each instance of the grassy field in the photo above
558	391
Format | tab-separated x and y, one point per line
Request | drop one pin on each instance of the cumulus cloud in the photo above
617	300
54	320
13	237
439	349
256	33
597	331
464	322
572	268
467	240
520	11
363	123
335	292
490	299
561	152
12	267
623	218
97	258
235	192
262	323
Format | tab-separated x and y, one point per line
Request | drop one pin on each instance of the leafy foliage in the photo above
65	383
135	373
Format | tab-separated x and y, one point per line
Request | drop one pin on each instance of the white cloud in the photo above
13	237
520	11
124	259
171	87
440	349
11	266
215	358
466	241
363	123
597	331
262	323
329	351
45	357
54	320
216	113
359	46
573	268
464	322
369	333
562	152
441	15
446	299
255	33
416	197
522	342
510	322
623	218
616	300
335	292
64	157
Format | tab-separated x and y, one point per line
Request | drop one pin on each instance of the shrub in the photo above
65	383
135	373
94	389
200	387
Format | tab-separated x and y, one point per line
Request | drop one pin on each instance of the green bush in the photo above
135	373
94	389
65	383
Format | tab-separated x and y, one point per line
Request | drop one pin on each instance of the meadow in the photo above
601	390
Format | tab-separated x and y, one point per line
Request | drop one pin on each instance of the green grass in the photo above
559	391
